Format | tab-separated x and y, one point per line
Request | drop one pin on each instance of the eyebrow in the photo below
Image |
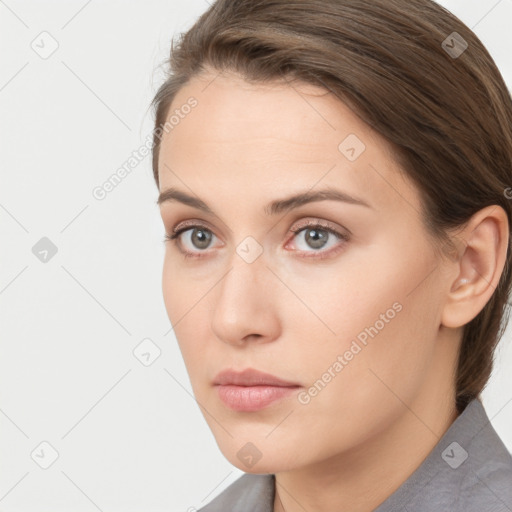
273	208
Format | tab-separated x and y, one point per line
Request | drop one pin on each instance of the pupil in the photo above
203	238
315	238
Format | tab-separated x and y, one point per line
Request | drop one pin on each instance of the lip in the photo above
251	390
250	377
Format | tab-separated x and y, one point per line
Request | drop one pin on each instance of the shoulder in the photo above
469	470
485	480
250	493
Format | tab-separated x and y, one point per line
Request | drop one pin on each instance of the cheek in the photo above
177	293
373	383
180	304
339	303
401	359
380	323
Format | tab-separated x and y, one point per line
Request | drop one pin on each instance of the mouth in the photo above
251	390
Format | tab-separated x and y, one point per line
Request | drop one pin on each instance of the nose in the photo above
246	303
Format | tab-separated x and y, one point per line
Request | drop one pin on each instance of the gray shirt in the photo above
469	470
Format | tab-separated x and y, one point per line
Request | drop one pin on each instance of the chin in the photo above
261	467
255	458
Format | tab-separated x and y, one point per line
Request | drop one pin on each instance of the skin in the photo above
372	425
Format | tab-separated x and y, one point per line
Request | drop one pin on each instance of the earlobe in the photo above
478	270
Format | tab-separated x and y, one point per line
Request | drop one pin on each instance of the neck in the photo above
360	479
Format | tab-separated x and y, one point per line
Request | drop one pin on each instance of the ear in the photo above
479	267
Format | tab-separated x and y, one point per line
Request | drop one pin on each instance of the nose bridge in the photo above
246	278
242	303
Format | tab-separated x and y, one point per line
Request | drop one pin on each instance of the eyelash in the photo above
309	225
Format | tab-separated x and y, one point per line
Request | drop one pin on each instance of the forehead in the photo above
287	133
278	114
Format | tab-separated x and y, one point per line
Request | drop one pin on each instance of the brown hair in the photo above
447	116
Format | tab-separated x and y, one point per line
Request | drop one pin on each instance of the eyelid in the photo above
343	235
183	227
339	233
316	222
191	223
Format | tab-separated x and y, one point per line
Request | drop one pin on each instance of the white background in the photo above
129	437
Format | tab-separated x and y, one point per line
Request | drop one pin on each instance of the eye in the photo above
318	236
199	238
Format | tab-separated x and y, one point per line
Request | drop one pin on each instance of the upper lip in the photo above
250	377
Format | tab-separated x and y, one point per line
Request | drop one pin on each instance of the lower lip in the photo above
252	398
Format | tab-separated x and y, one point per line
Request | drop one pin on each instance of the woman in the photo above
334	183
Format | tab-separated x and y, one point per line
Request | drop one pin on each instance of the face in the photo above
339	296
